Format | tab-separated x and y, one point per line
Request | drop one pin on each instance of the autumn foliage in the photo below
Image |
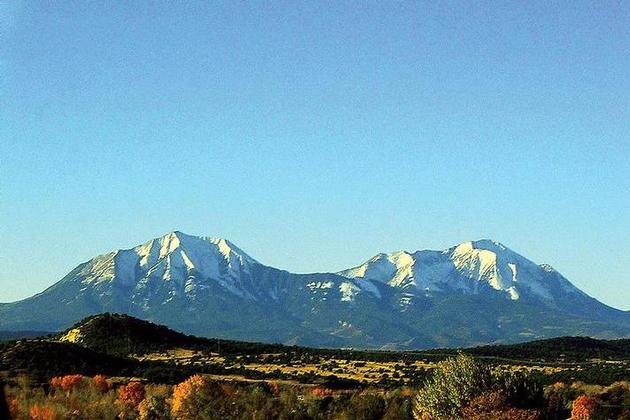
494	406
495	397
184	393
14	407
41	413
320	391
584	408
102	383
131	394
66	383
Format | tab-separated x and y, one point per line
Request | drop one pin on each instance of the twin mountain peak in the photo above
474	293
184	261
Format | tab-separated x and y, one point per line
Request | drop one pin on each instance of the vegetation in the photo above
463	387
569	349
115	366
200	397
460	388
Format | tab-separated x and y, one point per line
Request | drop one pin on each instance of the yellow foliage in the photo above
183	390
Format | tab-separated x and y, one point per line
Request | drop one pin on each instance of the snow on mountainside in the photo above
175	259
474	293
467	268
185	264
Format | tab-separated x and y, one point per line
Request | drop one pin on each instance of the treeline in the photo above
198	397
459	388
123	335
570	349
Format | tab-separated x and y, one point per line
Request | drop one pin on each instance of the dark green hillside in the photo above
561	348
44	359
125	335
115	345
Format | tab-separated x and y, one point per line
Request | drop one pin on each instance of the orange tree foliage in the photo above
14	408
102	383
320	391
38	412
66	382
583	408
199	397
183	392
131	394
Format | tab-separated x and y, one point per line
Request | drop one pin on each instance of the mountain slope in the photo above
485	268
474	293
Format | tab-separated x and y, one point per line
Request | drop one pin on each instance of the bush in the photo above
200	398
155	405
458	381
453	385
584	408
67	382
495	406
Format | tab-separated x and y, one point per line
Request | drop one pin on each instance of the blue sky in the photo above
314	135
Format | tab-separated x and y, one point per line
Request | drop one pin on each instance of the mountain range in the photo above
477	292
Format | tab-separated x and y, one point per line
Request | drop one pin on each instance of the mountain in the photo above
474	293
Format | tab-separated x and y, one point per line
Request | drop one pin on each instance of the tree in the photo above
67	382
131	394
494	406
198	398
584	408
38	412
102	383
129	397
454	384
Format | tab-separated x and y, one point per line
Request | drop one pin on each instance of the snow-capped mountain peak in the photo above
469	267
208	286
184	261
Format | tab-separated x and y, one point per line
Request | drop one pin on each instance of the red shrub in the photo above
131	394
583	408
493	406
41	413
66	382
102	383
14	408
321	391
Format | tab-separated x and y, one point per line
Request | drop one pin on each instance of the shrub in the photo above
199	398
38	412
154	407
366	406
494	405
454	384
67	382
102	383
320	391
129	397
131	394
584	408
14	408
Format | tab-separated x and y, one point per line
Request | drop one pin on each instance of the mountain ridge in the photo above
209	286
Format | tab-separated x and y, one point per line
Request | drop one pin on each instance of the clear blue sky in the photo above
314	135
